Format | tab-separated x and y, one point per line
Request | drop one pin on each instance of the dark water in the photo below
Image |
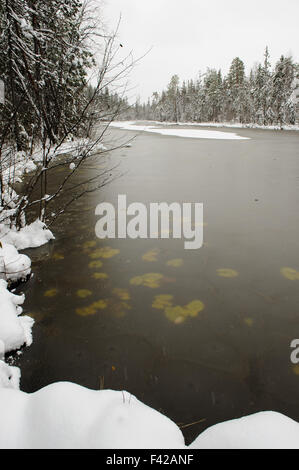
231	358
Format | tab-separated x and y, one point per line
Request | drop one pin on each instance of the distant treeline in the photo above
264	97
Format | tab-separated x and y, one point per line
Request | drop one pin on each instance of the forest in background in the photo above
266	97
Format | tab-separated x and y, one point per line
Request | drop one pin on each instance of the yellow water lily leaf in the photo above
57	256
151	280
194	307
89	244
177	313
96	264
83	293
227	272
162	301
123	294
100	275
120	309
151	255
92	309
51	292
290	273
173	313
104	252
248	321
175	263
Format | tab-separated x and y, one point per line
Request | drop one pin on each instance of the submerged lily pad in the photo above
151	255
123	294
92	309
95	264
175	263
104	252
51	292
57	256
162	301
89	244
248	321
290	273
227	272
151	280
100	275
83	293
177	313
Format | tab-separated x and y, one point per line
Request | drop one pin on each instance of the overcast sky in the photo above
187	36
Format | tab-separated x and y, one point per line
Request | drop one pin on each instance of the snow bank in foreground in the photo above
190	133
264	430
65	415
30	236
14	330
13	265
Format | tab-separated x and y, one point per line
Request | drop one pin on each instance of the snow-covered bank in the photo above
264	430
30	236
15	330
65	415
187	133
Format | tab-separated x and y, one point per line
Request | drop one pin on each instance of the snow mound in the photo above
9	376
264	430
65	415
30	236
14	330
13	265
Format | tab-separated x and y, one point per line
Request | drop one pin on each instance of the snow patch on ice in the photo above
188	133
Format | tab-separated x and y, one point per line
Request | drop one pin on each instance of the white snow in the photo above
30	236
65	415
13	265
15	330
9	376
232	125
189	133
72	166
264	430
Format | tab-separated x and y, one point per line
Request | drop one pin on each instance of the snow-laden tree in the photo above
283	87
51	49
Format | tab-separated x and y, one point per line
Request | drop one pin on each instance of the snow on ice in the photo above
189	133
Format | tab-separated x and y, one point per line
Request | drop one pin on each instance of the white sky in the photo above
187	36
